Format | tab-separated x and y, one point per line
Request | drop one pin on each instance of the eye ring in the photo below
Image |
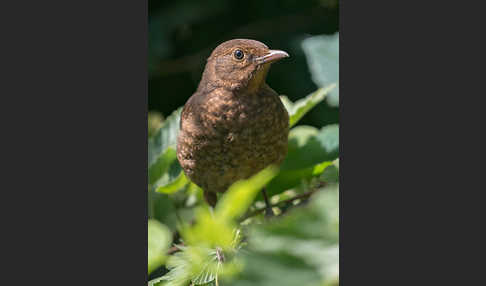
238	54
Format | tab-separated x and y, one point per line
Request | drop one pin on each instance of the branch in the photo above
298	197
173	250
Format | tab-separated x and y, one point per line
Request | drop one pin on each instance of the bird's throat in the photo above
257	80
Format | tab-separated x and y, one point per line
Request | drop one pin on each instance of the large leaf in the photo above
162	165
298	109
322	54
173	185
310	152
162	208
172	180
242	193
159	239
288	179
162	146
166	136
331	174
164	169
309	146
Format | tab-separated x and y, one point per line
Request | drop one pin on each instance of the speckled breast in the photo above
225	137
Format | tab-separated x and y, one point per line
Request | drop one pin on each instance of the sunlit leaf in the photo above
241	194
193	264
159	281
298	109
180	271
209	269
174	185
175	181
210	230
159	239
322	54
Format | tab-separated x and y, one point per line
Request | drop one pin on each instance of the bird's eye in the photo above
238	54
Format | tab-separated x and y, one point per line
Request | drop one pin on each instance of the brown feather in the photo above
234	125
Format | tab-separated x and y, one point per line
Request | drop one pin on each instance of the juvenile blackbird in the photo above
234	125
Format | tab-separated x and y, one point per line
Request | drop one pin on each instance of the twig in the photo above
173	250
268	207
301	196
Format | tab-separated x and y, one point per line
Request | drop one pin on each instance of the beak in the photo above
272	56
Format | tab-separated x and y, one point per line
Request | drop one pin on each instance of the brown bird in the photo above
234	125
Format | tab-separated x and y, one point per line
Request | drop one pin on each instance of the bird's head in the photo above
240	64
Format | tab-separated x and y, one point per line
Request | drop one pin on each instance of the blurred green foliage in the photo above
212	238
299	249
159	239
191	244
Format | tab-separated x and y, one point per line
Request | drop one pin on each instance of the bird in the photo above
235	124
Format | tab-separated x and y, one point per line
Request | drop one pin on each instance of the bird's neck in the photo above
249	85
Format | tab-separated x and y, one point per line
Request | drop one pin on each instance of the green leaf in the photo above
309	146
198	265
209	270
173	180
241	194
322	54
310	153
298	109
179	274
288	179
158	144
217	229
164	169
162	164
209	231
162	209
175	185
331	174
159	281
159	239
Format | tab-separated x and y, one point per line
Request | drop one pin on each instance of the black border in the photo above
75	168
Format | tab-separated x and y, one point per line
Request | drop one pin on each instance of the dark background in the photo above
183	33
